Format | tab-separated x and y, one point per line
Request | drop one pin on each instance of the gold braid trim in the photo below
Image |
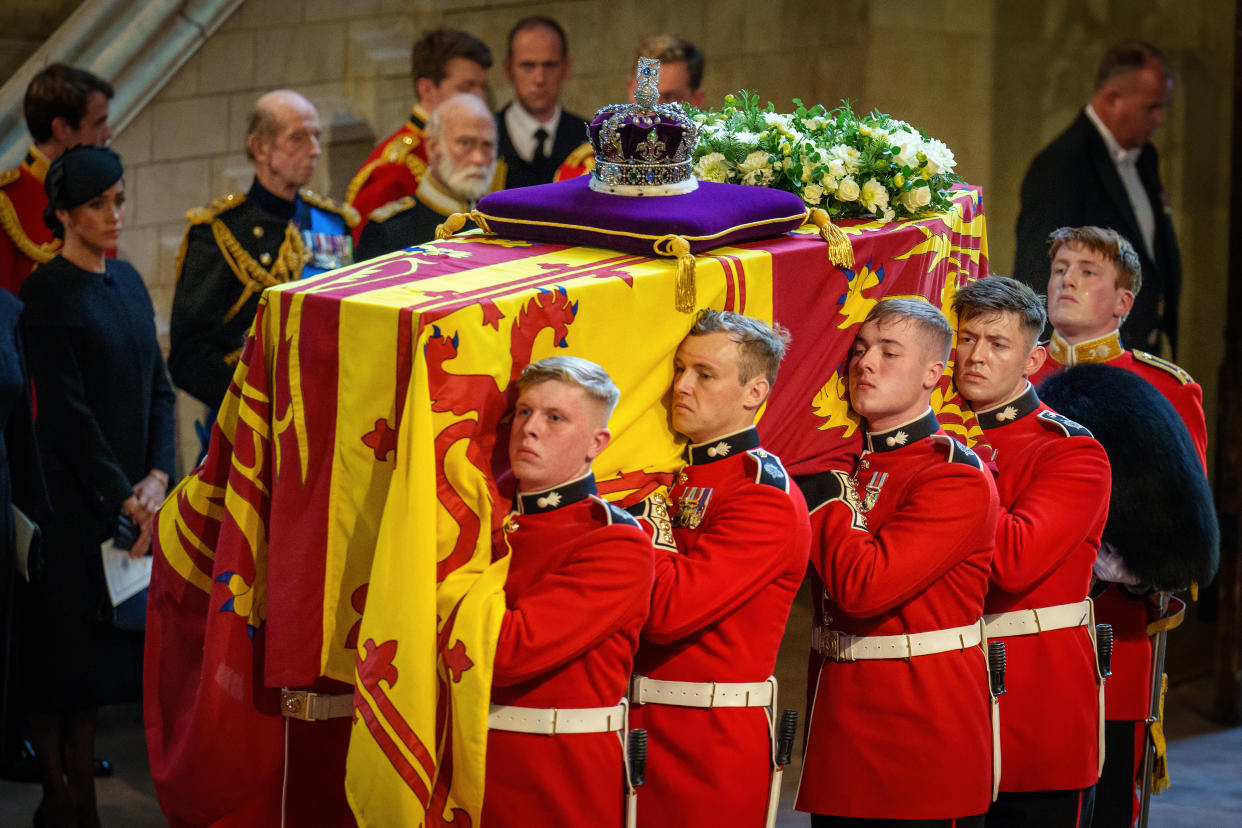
390	154
38	253
324	203
583	156
382	214
290	259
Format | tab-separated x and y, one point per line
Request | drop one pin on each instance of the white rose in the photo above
755	169
874	196
939	157
909	145
889	214
836	168
915	199
712	167
848	156
812	194
828	182
847	190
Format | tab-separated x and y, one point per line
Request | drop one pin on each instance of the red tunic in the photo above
718	612
1127	693
25	241
392	170
1053	482
902	738
577	594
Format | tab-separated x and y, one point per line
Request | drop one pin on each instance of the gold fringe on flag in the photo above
840	250
685	294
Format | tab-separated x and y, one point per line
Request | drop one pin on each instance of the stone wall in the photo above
995	80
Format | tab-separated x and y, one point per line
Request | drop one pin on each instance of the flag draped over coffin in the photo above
341	524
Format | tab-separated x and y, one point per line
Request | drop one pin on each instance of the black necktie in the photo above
541	135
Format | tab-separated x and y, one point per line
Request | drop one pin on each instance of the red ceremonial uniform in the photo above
25	242
901	738
718	611
1053	482
392	170
1128	691
577	594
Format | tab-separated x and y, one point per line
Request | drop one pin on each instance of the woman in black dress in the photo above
104	423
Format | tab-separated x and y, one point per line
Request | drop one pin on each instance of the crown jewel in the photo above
643	148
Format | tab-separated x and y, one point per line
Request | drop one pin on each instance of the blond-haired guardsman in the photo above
576	595
702	685
900	728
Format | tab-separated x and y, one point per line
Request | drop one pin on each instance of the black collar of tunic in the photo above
903	435
534	503
719	448
271	203
1012	411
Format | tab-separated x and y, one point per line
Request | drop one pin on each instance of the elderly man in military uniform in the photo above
64	107
240	244
703	681
577	592
900	727
539	141
1096	273
1053	479
461	152
444	63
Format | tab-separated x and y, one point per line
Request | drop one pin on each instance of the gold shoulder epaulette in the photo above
324	203
581	155
401	146
1180	373
203	215
382	214
9	176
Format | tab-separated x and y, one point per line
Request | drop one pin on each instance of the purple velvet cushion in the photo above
569	212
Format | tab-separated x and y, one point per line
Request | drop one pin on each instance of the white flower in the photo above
836	168
909	145
848	156
847	190
756	169
812	194
874	196
814	124
828	182
915	199
889	214
939	157
750	139
712	167
775	119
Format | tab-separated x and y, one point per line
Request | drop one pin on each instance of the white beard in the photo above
468	183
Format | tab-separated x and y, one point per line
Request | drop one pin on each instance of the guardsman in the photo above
461	147
1053	480
703	685
240	244
64	107
1095	276
539	141
900	726
444	63
576	595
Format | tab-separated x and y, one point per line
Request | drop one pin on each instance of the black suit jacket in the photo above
570	134
1072	183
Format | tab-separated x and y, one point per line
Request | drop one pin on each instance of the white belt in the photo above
554	720
645	690
1043	619
839	646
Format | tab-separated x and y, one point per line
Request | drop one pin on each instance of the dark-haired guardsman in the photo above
900	725
702	684
64	106
1053	480
240	244
576	595
1096	274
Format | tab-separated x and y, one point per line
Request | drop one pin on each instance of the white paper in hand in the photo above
126	576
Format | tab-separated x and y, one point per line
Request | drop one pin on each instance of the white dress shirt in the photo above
522	126
1126	162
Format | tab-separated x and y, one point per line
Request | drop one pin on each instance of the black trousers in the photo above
821	821
1115	800
1043	809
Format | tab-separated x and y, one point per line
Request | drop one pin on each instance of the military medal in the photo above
878	480
692	506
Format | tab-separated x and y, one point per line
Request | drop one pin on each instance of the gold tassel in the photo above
1194	591
480	221
840	250
451	225
685	294
1160	770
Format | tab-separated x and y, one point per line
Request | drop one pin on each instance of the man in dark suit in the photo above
1103	171
539	141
